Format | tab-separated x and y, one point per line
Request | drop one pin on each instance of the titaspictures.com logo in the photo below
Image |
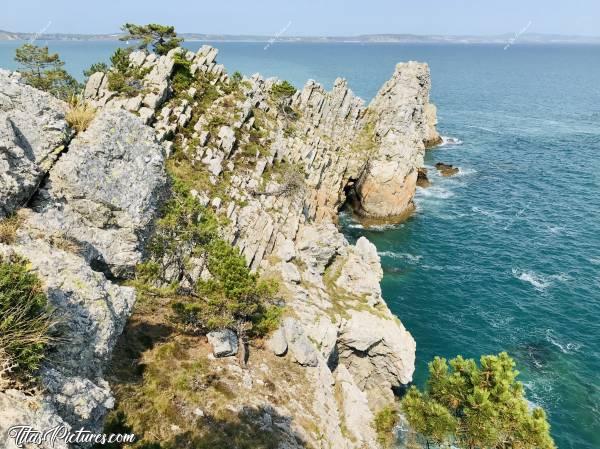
27	436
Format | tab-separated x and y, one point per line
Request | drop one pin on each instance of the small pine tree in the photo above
95	68
471	406
44	70
163	38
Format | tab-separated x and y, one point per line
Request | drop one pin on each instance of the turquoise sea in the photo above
506	255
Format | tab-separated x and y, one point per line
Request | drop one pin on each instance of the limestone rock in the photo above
33	132
378	352
404	121
106	191
18	409
361	271
317	245
290	273
355	409
278	343
224	342
299	346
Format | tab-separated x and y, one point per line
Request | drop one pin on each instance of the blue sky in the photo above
309	17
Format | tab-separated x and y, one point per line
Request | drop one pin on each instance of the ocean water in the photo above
505	256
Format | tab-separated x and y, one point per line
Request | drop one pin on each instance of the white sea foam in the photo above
556	230
538	281
384	227
435	192
406	256
486	213
446	140
565	348
466	171
356	226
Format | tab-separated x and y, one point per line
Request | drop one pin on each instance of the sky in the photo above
308	17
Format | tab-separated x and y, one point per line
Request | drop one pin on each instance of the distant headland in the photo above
525	38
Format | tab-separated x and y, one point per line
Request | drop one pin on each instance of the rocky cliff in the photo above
277	168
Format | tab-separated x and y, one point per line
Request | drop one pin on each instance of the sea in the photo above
504	256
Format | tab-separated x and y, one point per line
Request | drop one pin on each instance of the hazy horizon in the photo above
313	18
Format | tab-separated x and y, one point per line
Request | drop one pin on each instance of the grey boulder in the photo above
224	342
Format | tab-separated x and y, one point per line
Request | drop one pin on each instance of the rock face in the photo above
277	171
404	124
106	190
339	329
33	132
88	222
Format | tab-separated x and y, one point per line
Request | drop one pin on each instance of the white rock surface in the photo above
224	342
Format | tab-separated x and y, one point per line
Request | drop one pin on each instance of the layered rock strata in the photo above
279	169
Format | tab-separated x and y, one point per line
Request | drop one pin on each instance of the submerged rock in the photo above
446	169
422	179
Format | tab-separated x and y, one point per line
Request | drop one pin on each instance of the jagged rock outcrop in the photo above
340	330
33	132
404	125
278	169
88	223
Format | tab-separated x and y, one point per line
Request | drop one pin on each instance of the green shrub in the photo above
233	297
120	60
182	78
123	77
44	71
95	68
384	424
25	320
476	406
283	89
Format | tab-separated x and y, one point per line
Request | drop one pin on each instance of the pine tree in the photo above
476	407
44	70
163	38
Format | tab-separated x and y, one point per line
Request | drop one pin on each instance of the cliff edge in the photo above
276	166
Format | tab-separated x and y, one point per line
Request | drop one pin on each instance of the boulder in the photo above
361	272
224	342
105	192
379	353
278	343
299	346
33	132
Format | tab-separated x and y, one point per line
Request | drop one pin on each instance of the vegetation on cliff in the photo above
44	70
473	406
25	322
228	296
162	38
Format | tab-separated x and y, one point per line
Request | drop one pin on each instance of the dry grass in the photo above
80	114
6	368
8	229
25	321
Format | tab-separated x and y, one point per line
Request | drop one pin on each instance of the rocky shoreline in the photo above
88	203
